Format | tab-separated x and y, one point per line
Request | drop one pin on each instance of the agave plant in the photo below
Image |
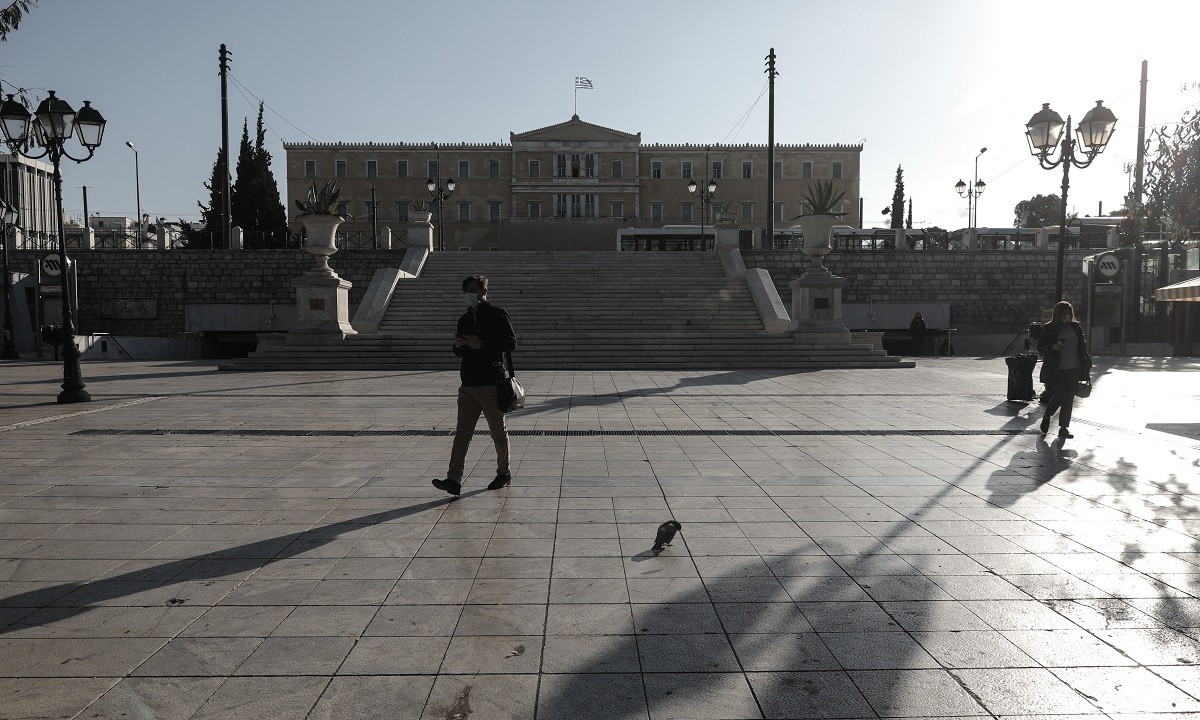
421	206
822	199
320	202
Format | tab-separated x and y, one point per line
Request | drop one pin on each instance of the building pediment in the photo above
575	130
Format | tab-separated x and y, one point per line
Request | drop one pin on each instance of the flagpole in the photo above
576	107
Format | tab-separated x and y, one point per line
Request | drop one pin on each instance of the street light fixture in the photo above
8	214
56	122
137	179
705	194
374	220
440	194
972	192
1044	131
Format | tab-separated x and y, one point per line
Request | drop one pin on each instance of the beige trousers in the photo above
473	400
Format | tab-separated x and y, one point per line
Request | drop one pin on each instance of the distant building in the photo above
28	185
570	185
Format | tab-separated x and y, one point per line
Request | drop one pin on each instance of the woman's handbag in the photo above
509	392
1083	388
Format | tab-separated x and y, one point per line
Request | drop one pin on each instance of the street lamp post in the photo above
1044	131
973	192
706	195
56	122
137	182
374	220
440	193
9	352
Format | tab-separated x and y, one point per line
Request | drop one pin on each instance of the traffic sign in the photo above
51	265
1108	266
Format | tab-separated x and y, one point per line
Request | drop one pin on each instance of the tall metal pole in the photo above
137	183
1133	276
770	242
86	222
9	351
226	207
374	222
73	385
1068	158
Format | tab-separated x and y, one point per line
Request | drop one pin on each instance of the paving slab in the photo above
855	544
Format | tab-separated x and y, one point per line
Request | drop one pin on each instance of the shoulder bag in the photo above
1083	388
509	391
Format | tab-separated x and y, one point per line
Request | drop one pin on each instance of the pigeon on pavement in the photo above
666	533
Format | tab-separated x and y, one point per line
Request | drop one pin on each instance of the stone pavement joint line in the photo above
65	416
545	433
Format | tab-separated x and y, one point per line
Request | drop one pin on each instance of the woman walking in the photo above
1065	361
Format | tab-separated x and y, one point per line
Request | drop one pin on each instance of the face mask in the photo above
472	299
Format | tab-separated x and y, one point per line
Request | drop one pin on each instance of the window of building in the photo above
616	169
617	209
372	168
464	169
310	168
576	165
493	168
402	210
371	206
778	170
685	169
535	208
747	169
343	208
716	170
576	205
535	168
493	211
747	211
777	212
339	168
837	169
433	169
589	206
841	208
560	165
464	211
401	169
589	165
560	205
806	169
656	214
685	212
656	169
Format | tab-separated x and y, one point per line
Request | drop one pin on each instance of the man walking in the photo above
484	334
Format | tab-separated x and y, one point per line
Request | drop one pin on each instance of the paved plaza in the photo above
855	544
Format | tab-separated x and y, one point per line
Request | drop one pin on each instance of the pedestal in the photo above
817	309
322	305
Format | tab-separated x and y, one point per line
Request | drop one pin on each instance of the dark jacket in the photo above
916	329
486	365
1049	336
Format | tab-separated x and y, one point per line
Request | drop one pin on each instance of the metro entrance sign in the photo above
1108	266
51	265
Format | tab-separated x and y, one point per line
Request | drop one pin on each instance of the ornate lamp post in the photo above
137	183
9	217
706	195
973	192
440	193
56	122
1044	131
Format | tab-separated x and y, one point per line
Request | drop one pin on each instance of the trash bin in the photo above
1020	376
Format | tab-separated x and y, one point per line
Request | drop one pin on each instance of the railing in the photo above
266	240
356	240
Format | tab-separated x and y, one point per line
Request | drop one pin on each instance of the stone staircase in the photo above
575	311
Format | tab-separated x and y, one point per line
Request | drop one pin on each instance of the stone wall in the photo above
987	291
154	287
144	293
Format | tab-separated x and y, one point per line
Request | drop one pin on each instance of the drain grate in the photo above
540	433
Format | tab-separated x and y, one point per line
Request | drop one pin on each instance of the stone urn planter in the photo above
420	217
818	232
321	232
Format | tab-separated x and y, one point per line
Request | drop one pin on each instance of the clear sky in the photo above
924	84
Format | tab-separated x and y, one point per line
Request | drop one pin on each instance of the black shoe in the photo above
1045	426
448	485
499	482
1065	434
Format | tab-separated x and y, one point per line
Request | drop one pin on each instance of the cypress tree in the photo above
898	201
908	222
242	201
210	214
256	205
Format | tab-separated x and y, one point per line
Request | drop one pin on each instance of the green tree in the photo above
210	214
10	16
256	206
1038	211
898	200
1172	175
908	220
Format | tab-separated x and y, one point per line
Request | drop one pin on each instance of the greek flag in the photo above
582	83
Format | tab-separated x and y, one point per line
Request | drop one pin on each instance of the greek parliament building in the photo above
567	186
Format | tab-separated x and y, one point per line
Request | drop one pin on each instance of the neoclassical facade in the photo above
570	185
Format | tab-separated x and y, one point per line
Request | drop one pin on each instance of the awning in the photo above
1186	291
